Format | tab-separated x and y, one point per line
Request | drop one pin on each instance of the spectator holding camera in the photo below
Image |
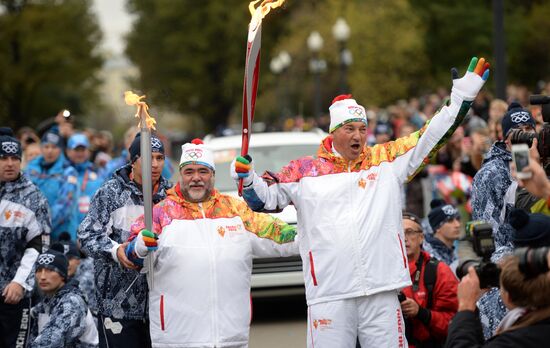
494	189
430	303
528	319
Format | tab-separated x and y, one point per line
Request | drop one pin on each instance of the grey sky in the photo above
115	21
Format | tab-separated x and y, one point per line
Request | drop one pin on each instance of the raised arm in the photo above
415	150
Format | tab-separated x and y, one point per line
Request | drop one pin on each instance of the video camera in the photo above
481	235
533	262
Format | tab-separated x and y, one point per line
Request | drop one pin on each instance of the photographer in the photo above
528	321
494	189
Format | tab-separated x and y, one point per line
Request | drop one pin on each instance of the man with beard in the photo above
203	265
121	293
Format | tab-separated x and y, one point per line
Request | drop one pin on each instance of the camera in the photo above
532	262
544	134
481	235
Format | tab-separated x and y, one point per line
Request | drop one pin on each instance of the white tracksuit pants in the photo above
377	321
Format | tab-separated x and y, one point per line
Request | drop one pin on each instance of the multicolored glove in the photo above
467	87
138	249
242	168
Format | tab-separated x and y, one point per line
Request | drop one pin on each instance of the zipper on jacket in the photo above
162	312
212	280
312	269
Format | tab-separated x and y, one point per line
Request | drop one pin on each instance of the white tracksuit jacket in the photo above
349	214
201	293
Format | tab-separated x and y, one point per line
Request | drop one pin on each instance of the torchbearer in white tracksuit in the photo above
206	242
348	200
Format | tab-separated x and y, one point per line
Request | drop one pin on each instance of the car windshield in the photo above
271	158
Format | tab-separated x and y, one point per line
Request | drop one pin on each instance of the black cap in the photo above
441	213
532	230
53	260
515	117
135	147
9	145
68	248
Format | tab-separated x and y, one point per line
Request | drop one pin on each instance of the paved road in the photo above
279	323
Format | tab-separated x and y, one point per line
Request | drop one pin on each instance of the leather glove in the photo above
467	87
242	168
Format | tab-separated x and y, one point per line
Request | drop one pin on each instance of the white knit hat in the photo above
344	110
196	152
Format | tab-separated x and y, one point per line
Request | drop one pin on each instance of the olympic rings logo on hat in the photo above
356	111
52	138
194	154
449	210
10	147
156	143
520	117
45	259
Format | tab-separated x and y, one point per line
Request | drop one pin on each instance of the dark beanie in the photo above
53	260
532	230
9	145
135	147
51	137
68	248
441	213
515	117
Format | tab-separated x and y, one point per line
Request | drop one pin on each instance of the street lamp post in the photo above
317	65
341	33
278	65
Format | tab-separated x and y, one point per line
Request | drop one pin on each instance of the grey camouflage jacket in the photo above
493	197
121	293
24	223
63	321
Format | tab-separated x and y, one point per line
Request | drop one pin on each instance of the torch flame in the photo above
130	98
258	13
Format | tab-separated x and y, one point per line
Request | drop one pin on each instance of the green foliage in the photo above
191	54
48	58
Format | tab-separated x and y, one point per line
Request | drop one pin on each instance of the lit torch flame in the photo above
258	13
130	98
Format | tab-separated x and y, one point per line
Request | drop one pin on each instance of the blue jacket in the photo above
59	183
24	224
89	181
63	320
121	293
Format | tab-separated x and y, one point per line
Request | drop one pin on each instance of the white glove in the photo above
243	168
146	241
467	87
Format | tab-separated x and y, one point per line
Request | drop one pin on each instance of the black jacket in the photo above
465	331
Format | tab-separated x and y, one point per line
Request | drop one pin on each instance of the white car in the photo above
269	151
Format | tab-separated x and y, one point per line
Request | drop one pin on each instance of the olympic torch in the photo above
252	69
145	124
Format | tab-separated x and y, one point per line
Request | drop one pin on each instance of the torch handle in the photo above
147	186
244	152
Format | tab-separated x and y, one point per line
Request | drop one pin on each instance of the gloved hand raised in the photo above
467	87
140	247
242	168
